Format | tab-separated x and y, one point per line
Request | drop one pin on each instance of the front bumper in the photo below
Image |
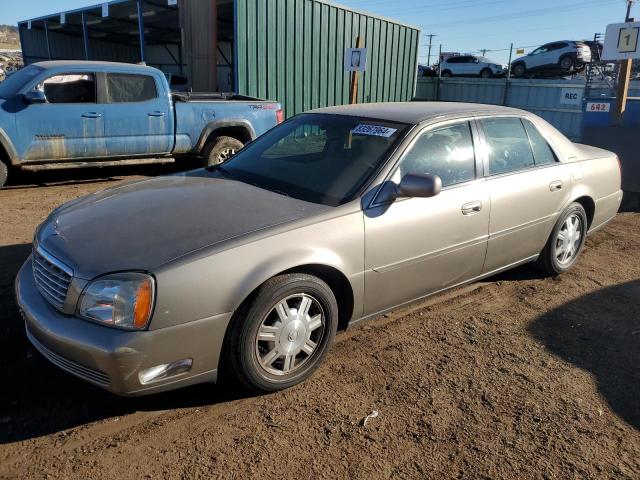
112	359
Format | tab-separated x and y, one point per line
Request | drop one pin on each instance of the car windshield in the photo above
15	82
318	158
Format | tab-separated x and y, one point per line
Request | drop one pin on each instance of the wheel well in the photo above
4	156
237	132
589	207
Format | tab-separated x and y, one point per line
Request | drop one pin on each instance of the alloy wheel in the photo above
568	239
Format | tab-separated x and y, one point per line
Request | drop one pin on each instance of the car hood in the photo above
143	225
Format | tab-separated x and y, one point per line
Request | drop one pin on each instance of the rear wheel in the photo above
566	241
280	337
446	73
566	63
519	69
4	173
221	149
486	73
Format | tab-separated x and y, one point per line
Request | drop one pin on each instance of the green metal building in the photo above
287	50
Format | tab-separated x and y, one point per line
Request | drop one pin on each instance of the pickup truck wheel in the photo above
4	173
280	337
221	149
566	241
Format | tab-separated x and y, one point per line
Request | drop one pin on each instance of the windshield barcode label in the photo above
374	130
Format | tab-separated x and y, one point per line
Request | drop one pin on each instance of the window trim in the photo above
415	135
485	155
107	99
72	72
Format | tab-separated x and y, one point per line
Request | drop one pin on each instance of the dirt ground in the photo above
518	376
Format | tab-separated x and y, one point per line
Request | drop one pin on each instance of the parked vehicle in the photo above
471	66
68	114
426	71
556	57
334	216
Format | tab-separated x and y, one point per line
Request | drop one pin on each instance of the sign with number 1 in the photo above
621	41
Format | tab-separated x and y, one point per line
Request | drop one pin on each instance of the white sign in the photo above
63	18
355	59
621	41
29	25
172	2
105	10
598	107
571	96
373	130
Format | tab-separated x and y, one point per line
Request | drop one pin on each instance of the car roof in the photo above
50	64
417	112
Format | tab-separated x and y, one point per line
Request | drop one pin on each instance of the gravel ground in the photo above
519	376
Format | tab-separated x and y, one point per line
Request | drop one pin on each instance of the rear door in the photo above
138	115
416	246
69	126
528	188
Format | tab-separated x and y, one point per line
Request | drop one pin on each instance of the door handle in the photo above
156	114
472	208
92	115
555	186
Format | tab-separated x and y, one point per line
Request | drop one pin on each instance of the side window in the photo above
447	152
542	152
123	88
70	88
507	144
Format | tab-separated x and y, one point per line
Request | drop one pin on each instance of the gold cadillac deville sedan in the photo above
248	268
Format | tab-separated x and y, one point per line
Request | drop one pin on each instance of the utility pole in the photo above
484	51
624	75
431	35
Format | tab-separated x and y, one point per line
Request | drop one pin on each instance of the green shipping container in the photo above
293	51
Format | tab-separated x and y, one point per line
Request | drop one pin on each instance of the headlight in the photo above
123	300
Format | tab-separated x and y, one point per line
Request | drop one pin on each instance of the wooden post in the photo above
353	91
623	89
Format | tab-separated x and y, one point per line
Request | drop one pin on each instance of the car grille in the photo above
86	373
52	277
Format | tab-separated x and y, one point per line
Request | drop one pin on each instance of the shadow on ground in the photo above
600	333
38	398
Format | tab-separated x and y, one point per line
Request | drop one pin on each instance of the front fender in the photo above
7	146
216	283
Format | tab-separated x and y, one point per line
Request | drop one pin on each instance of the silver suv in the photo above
557	57
471	66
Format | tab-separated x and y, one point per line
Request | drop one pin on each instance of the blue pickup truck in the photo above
72	114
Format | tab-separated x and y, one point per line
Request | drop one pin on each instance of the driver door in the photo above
417	246
69	126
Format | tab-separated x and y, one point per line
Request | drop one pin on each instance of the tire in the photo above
266	354
446	73
4	173
220	149
519	69
486	73
553	259
566	63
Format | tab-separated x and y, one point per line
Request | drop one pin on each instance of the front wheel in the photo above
446	73
566	241
280	337
4	173
486	73
566	63
221	149
519	69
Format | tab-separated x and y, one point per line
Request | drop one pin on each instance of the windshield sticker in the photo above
374	130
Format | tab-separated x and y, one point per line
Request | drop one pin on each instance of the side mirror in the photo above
423	186
35	96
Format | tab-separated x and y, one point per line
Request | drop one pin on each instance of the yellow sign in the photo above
520	51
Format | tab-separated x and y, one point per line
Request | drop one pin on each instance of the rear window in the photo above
508	144
127	88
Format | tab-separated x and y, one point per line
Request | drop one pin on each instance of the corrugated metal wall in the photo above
541	97
292	51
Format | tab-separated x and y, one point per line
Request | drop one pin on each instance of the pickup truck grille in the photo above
52	277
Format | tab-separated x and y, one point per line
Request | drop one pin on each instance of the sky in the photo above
466	26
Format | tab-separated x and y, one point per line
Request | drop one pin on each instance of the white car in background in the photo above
471	66
559	57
